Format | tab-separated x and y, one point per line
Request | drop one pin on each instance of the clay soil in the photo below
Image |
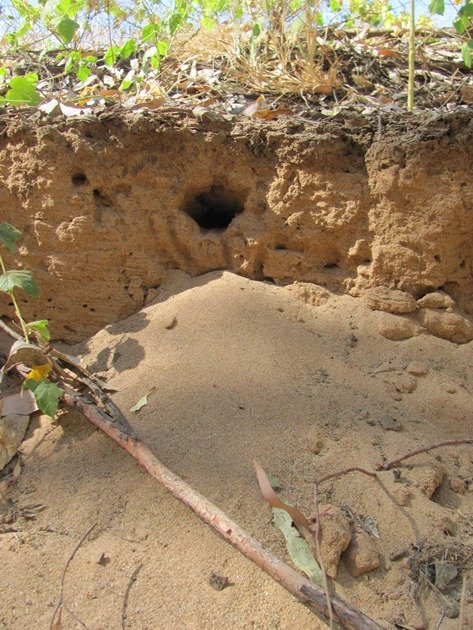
294	292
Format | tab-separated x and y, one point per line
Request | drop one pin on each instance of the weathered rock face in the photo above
109	206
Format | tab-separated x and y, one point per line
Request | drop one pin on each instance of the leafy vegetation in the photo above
46	393
128	41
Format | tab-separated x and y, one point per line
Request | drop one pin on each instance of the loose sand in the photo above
242	370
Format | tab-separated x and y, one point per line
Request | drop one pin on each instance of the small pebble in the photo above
217	581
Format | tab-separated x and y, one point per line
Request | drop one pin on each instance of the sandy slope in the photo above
242	370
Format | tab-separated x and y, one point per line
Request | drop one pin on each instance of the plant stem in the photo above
15	304
412	50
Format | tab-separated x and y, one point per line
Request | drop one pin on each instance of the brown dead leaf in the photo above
12	433
251	109
273	114
361	81
109	93
388	52
57	623
274	501
466	92
18	404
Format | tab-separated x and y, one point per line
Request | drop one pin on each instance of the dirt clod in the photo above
396	328
451	326
361	556
437	299
335	537
428	478
417	368
390	301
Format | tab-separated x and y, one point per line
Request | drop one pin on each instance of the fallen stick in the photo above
423	449
313	596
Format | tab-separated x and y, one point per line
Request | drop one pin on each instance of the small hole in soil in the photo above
79	179
423	291
85	306
462	264
215	209
437	258
280	247
331	266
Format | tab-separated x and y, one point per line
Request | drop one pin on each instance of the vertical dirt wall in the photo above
110	205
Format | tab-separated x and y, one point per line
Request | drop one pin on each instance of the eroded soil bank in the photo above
110	205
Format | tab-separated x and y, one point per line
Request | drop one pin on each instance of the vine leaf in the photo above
66	29
9	235
23	91
19	278
41	327
47	395
437	6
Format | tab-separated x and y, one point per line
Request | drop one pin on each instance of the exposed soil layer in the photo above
110	205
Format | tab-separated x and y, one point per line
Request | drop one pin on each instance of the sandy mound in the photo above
295	377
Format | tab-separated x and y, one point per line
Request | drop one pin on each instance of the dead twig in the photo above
317	537
461	616
422	449
133	577
339	473
61	603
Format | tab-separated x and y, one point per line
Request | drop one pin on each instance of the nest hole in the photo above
214	209
79	179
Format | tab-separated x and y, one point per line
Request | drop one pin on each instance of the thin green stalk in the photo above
412	50
16	305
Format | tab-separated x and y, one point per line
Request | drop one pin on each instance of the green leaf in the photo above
128	48
466	10
83	73
437	6
111	56
23	91
461	24
9	235
163	48
149	32
41	327
467	53
174	22
47	395
256	30
66	29
19	278
297	547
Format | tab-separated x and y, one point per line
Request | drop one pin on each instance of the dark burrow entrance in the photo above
214	209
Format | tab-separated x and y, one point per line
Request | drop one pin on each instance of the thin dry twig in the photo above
317	537
133	577
61	602
461	616
422	449
339	473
